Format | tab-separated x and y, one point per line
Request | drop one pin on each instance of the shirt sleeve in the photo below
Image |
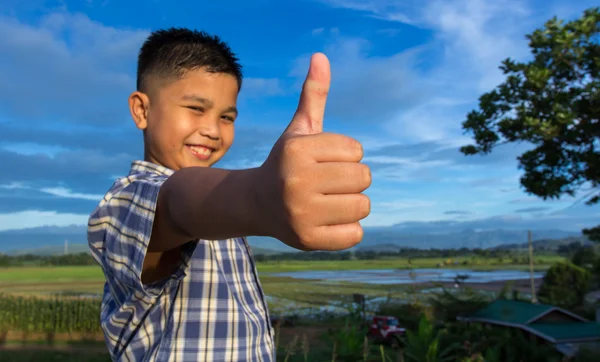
119	231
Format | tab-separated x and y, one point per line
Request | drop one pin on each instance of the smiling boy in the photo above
181	284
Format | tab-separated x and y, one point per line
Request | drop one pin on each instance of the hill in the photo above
50	250
389	238
546	244
51	240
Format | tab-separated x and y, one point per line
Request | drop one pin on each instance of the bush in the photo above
565	285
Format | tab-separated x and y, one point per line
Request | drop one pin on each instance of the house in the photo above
546	323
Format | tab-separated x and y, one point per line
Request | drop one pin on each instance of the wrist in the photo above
254	194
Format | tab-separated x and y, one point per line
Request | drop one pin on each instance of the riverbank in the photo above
542	263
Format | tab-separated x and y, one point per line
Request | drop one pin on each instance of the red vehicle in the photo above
386	329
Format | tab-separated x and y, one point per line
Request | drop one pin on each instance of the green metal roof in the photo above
524	315
568	331
511	311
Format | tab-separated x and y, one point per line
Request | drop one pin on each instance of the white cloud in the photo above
261	87
365	88
66	193
404	169
92	69
34	218
54	191
13	186
317	31
391	10
406	204
33	149
241	164
470	39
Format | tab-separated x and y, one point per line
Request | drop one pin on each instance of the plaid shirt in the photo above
211	309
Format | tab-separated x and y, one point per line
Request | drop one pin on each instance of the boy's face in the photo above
189	121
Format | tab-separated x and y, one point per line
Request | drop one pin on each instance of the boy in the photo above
181	284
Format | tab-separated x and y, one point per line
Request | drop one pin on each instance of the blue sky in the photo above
404	75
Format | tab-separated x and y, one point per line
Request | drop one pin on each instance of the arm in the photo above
307	193
199	203
205	203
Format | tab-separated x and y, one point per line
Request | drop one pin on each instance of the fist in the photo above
312	182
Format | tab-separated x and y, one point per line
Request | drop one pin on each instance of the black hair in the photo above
170	53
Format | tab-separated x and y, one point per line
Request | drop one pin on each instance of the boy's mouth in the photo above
202	152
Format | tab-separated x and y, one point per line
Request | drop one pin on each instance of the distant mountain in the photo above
51	250
52	239
380	248
484	239
83	248
547	244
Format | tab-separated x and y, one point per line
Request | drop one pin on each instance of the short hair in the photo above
170	53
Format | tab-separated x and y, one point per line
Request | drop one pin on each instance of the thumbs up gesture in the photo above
312	181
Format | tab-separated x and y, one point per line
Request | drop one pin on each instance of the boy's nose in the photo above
210	129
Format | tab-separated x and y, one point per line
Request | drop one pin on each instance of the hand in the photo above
310	186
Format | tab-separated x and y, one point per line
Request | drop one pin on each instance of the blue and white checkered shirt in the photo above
211	309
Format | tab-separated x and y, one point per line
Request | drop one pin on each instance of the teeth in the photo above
201	150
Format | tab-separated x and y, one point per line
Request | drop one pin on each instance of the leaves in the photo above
552	104
565	285
423	345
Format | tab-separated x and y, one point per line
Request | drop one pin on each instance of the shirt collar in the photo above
139	166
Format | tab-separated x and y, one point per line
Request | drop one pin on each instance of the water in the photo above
401	276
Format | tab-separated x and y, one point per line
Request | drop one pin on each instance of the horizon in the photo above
404	76
52	239
67	247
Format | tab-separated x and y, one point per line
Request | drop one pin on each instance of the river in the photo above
408	276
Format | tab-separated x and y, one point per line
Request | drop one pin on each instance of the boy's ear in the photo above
138	106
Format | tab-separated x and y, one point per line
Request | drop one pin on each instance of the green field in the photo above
51	274
89	279
284	293
285	296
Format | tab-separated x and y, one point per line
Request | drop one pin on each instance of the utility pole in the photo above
533	297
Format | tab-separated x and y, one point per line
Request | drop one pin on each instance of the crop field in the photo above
44	318
90	279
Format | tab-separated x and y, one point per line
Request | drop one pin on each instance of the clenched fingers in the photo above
338	237
341	177
341	209
325	147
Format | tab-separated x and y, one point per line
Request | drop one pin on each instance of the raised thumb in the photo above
309	115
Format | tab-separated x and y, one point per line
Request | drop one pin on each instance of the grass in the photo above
93	273
20	275
286	294
49	280
90	279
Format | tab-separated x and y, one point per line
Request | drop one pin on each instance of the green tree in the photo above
553	104
565	285
585	257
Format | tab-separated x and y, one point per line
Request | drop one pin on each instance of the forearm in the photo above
211	203
207	203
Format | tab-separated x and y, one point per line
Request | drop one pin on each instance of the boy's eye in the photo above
197	109
228	118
